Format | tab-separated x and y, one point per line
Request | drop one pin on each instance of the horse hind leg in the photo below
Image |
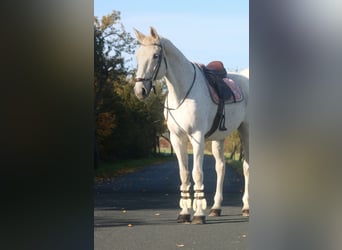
244	136
245	197
179	145
218	152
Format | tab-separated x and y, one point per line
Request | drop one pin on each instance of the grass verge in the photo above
236	165
107	171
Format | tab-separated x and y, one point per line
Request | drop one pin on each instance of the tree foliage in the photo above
125	127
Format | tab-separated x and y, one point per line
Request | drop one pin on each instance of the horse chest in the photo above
190	118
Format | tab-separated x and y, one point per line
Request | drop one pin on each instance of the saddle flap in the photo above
230	92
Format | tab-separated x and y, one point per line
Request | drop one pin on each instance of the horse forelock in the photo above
149	40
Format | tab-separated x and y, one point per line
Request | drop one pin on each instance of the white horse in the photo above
190	112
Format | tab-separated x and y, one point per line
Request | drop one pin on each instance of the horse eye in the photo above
155	56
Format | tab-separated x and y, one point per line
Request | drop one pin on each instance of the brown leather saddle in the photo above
223	90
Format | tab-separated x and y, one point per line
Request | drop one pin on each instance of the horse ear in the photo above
154	34
140	36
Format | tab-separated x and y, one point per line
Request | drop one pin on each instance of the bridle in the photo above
156	68
155	74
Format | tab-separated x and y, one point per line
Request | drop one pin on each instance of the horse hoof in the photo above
182	218
245	213
198	220
215	212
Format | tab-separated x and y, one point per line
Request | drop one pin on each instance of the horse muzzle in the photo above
142	88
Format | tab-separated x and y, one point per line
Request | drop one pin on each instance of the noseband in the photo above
156	68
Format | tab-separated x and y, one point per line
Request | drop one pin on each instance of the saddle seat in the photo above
217	67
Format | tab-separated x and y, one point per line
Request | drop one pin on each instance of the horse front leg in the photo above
199	203
218	152
180	147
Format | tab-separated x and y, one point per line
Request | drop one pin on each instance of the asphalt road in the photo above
139	211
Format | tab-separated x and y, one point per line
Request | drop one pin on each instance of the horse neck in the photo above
179	75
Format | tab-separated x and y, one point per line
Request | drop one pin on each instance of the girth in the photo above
219	120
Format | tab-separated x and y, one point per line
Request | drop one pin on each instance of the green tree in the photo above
111	43
125	126
140	124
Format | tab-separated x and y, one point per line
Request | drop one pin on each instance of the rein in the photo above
186	95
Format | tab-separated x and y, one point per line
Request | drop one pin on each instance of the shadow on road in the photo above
123	209
156	188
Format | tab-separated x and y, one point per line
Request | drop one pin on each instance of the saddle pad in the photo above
230	85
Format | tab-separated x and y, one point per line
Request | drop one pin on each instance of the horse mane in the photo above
168	45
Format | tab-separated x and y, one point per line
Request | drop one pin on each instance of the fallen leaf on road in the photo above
180	245
130	225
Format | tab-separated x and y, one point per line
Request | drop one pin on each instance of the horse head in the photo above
149	58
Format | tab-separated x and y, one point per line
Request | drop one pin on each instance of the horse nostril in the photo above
144	92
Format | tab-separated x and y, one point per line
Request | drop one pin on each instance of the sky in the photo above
203	31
